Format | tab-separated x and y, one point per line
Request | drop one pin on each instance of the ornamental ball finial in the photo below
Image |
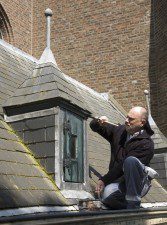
146	92
48	12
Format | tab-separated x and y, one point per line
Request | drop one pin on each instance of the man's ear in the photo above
143	122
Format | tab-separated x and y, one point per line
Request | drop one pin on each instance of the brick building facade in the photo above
158	63
117	46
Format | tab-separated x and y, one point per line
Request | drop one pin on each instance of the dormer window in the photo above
73	148
57	137
49	113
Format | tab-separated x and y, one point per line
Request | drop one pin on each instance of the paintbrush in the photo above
97	118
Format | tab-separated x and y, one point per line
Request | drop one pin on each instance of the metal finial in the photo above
47	55
146	92
48	14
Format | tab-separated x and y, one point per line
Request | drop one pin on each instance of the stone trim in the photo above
29	115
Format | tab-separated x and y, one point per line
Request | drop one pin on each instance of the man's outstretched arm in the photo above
102	126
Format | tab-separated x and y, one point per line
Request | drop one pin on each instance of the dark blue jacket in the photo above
140	146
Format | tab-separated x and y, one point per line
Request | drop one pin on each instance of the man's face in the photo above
133	122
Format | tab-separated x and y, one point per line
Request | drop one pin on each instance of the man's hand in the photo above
100	187
103	119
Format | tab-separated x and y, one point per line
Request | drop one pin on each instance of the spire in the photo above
150	119
47	55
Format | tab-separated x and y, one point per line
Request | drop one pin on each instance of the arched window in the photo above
5	26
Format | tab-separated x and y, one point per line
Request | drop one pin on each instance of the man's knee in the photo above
131	160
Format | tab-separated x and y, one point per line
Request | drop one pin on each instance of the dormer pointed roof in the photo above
46	83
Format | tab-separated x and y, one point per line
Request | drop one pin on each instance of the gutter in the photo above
87	216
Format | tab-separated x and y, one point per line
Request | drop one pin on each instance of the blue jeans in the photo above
135	185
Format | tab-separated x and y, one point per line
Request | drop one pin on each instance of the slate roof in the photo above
156	194
23	181
46	82
97	103
15	67
160	141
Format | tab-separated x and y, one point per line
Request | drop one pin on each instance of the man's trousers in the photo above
136	184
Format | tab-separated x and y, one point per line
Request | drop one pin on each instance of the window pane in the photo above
73	148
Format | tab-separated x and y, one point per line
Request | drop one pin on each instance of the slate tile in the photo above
33	136
11	145
50	134
7	200
10	168
7	73
48	164
39	122
13	182
43	149
45	79
159	166
14	156
46	70
5	134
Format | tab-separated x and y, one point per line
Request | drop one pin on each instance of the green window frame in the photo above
73	157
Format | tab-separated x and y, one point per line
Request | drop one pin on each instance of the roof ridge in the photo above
84	86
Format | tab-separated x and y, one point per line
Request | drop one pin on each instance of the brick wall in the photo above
20	17
104	44
158	63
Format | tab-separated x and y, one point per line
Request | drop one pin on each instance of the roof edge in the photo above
36	209
77	217
18	51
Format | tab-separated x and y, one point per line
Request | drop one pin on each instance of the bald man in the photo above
131	151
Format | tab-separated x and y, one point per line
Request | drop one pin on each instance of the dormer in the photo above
49	113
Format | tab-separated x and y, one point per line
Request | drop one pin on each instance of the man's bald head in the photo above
140	112
136	119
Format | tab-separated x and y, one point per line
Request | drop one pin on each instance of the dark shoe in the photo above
133	205
115	200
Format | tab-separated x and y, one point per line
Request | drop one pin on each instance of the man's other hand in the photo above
103	119
100	187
